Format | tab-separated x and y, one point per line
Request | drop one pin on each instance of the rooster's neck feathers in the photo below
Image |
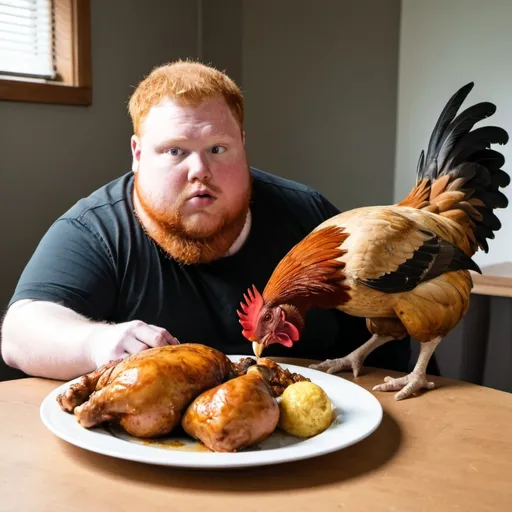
311	275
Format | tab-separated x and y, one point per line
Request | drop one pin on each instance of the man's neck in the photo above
242	237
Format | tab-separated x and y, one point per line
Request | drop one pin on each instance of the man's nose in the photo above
199	168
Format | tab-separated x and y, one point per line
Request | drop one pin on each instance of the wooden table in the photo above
447	450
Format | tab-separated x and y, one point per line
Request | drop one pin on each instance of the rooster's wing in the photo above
394	253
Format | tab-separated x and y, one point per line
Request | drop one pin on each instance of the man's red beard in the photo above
169	232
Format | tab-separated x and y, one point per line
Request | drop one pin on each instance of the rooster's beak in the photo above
257	348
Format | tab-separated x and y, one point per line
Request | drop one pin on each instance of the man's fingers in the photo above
151	336
133	346
171	340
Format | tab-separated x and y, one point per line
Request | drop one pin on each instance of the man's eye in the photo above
218	149
175	152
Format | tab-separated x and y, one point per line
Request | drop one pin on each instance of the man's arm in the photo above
55	325
45	339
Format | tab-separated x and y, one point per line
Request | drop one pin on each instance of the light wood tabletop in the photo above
449	449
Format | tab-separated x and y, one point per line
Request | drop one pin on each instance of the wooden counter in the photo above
447	450
495	280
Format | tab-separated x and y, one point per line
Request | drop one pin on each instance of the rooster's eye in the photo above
267	317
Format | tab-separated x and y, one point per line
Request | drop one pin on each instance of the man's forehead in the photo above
172	108
169	111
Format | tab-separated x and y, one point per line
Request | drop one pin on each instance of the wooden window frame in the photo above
73	85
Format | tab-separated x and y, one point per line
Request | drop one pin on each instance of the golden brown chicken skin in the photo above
236	414
147	392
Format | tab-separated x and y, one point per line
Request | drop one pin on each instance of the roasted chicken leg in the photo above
237	414
279	378
146	392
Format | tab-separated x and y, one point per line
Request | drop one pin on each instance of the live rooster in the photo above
403	267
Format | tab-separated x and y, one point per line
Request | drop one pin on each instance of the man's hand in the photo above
108	342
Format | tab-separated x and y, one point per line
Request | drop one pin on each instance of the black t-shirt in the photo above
97	260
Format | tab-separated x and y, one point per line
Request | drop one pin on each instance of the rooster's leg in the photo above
355	359
417	379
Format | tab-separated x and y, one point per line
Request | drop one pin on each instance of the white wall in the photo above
443	45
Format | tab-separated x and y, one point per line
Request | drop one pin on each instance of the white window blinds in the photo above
26	38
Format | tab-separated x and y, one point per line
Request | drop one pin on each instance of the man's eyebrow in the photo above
172	140
181	138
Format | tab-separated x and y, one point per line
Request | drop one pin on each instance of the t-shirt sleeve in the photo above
327	207
73	267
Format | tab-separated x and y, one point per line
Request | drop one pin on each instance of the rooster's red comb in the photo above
251	309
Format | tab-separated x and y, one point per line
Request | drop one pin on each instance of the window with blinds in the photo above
27	38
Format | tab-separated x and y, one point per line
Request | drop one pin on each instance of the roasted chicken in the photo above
234	415
230	405
146	392
403	267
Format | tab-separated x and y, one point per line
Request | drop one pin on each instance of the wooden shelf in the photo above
495	280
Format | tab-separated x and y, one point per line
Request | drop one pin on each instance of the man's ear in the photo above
243	137
135	144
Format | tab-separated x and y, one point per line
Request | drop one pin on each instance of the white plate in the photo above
358	414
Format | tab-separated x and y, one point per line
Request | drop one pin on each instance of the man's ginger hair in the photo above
184	81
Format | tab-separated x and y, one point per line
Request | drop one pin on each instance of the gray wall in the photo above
220	35
444	45
320	79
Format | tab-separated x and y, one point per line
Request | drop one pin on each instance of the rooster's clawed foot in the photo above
352	361
407	385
